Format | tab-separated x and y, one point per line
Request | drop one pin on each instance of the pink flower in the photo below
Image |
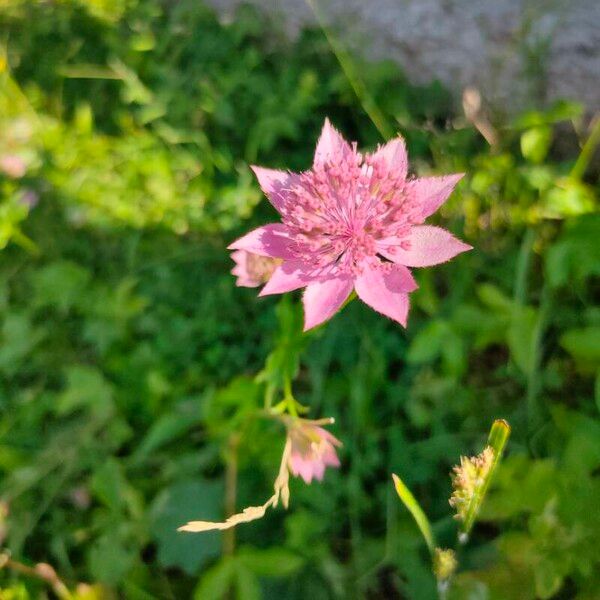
352	222
251	269
312	449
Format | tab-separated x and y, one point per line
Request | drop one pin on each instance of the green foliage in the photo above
129	359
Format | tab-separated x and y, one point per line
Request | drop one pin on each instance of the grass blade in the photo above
416	511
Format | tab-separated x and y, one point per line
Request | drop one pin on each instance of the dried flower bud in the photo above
468	479
444	564
251	269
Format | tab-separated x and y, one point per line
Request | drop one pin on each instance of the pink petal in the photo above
268	240
287	277
323	298
432	192
328	436
395	156
330	458
330	144
318	469
386	291
429	246
303	467
274	184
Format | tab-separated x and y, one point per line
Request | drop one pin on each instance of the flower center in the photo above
340	213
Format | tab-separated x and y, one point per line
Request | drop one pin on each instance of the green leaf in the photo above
535	143
109	558
60	284
18	340
427	344
569	198
108	484
167	428
181	502
521	336
272	562
583	344
86	387
247	586
216	581
416	511
547	580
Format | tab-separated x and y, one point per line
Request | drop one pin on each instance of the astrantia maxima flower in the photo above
352	222
312	449
251	269
308	450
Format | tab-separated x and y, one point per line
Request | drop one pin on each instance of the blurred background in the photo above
129	358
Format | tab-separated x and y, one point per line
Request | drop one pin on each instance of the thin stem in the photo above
42	571
290	401
523	263
533	412
587	151
231	475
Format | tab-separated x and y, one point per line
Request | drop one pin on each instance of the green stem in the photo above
523	263
533	412
289	399
587	151
357	84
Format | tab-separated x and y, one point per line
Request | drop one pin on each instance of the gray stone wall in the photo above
518	53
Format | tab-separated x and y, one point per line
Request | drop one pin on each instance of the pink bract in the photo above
312	450
251	269
352	222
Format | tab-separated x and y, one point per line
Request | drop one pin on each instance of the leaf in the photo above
19	338
535	143
427	344
86	387
60	284
583	344
174	505
272	562
247	586
521	336
416	511
109	558
569	198
547	580
108	484
167	428
576	254
216	581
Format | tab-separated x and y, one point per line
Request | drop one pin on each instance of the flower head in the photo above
352	221
468	479
312	449
251	269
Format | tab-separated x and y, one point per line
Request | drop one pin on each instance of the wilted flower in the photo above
251	269
13	166
468	479
353	221
312	449
308	450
